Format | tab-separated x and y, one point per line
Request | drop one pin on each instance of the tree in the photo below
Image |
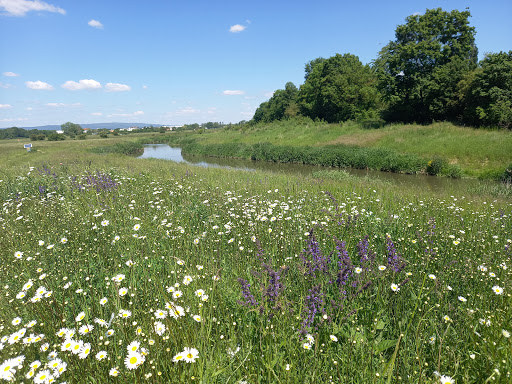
277	106
312	64
71	129
419	70
486	93
338	89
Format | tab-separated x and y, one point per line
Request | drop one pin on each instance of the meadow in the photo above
120	270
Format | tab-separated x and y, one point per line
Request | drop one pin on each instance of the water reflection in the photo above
431	183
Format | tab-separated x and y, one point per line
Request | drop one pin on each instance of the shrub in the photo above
435	166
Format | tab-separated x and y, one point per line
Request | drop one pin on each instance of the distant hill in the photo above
94	126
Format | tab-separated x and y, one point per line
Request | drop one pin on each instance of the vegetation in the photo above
428	73
162	272
475	152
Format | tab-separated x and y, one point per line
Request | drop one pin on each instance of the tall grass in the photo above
294	279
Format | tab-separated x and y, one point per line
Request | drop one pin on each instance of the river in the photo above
165	152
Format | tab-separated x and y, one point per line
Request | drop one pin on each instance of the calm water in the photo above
164	151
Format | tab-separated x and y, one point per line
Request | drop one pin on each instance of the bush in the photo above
82	136
55	137
435	166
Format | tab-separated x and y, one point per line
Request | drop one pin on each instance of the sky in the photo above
190	61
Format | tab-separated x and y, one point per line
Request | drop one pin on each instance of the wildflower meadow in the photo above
157	273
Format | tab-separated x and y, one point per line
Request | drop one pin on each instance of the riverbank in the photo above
461	151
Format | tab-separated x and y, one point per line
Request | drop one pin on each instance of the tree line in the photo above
430	72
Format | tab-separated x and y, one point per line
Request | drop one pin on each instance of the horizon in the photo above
175	64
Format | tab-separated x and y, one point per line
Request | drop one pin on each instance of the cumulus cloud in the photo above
10	74
3	85
233	92
5	106
95	24
82	84
21	7
97	114
38	85
116	87
237	28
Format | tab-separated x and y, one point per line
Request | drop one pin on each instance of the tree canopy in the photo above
431	53
430	71
338	88
71	129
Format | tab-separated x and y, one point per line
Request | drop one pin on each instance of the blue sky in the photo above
175	62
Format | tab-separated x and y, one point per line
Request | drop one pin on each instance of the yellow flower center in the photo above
133	360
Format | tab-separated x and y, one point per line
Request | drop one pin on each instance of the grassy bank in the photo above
113	267
477	152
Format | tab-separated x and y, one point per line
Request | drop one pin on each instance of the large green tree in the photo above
71	129
486	93
339	88
419	70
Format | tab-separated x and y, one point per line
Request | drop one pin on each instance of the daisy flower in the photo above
190	354
114	372
160	314
123	291
358	270
178	357
497	290
382	268
80	316
18	254
333	338
101	355
85	351
133	360
103	301
395	287
133	346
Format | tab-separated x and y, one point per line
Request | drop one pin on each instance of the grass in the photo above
478	152
329	278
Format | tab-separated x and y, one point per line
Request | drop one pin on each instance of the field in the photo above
121	270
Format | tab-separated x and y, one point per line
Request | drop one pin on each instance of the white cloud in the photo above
268	95
417	14
82	84
38	85
10	74
95	24
97	114
187	111
21	7
116	87
234	92
5	106
136	113
144	87
29	108
63	105
3	85
17	119
237	28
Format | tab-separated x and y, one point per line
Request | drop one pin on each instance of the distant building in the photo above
59	131
132	129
